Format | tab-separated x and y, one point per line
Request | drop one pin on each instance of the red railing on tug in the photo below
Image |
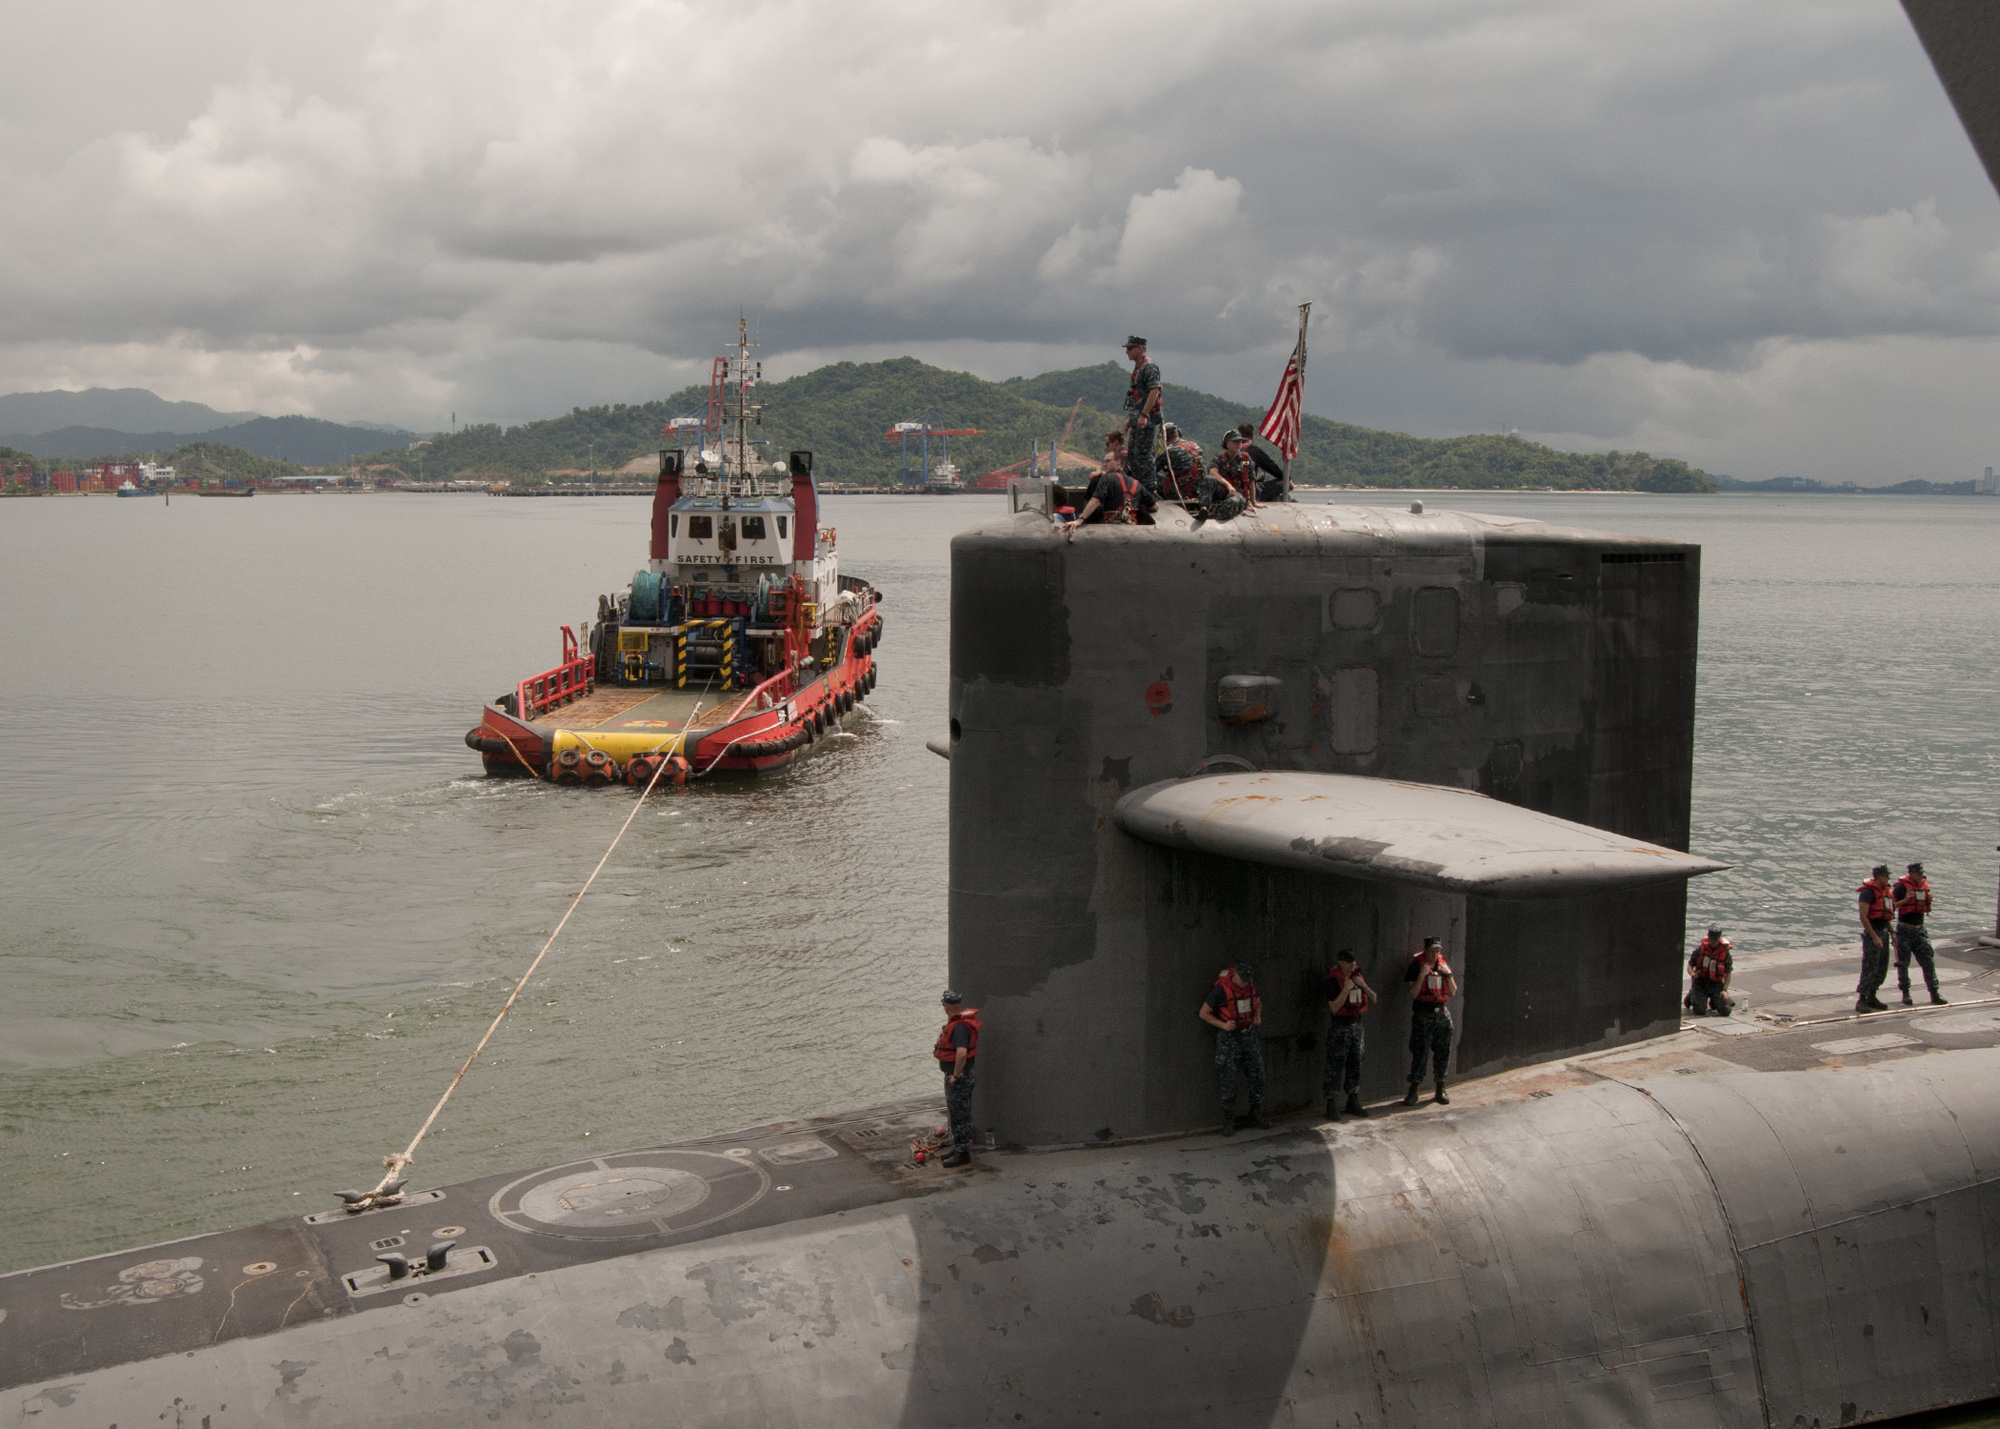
577	675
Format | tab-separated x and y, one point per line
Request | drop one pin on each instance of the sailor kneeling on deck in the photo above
1432	986
956	1050
1710	967
1234	1010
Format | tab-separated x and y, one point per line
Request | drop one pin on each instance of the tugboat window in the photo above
674	524
781	528
701	528
727	541
753	528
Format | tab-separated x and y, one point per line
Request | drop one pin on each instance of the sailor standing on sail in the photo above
1143	414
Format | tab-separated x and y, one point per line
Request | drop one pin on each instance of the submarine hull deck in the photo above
1656	1235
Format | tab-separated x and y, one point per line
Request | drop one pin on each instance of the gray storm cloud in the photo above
1665	221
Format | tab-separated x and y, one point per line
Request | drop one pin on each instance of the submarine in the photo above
1173	748
1356	728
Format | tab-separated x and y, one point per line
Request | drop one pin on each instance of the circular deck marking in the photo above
635	1195
1844	983
1980	1019
614	1198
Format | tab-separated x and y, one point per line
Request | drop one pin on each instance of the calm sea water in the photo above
259	899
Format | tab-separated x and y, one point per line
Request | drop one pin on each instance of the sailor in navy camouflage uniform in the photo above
1432	986
1234	1010
1143	415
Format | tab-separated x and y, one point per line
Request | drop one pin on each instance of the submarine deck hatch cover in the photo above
1389	830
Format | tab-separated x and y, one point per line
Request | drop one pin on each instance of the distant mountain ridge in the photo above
121	409
307	441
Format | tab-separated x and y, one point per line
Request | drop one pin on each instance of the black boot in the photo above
1410	1097
1257	1117
1908	1001
1442	1099
1936	999
1333	1109
1229	1123
1875	1004
957	1156
1354	1107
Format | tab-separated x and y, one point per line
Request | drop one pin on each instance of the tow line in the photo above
389	1190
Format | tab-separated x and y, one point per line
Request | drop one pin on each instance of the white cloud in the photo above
1682	223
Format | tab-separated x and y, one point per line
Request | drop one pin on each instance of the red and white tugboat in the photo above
737	648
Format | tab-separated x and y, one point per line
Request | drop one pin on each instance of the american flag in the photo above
1281	423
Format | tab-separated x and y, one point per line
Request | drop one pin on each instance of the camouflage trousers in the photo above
1911	939
1239	1050
1430	1040
1345	1042
958	1108
1139	456
1874	963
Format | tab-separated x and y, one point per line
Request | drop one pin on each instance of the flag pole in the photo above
1284	423
1305	316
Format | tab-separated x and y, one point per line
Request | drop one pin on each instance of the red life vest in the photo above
1913	899
1181	485
1879	897
1352	999
948	1054
1239	1001
1433	983
1709	960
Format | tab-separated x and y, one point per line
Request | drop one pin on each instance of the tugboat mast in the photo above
744	381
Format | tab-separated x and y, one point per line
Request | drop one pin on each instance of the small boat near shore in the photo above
225	491
129	489
737	648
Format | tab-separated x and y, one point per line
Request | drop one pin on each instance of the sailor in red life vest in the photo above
1432	987
1912	897
1348	998
1234	1010
957	1048
1182	463
1874	910
1710	967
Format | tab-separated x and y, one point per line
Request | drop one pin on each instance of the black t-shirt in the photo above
1877	900
1262	459
1901	891
961	1036
1109	493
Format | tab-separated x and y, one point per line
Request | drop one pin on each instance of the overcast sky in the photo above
1749	235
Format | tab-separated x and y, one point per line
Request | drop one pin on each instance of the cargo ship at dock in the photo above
735	649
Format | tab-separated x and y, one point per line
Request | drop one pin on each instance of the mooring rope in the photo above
395	1161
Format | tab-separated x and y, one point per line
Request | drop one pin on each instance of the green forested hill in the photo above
1337	453
842	411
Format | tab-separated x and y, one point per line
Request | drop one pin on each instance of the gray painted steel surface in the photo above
1735	1250
1546	668
1962	38
1393	831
